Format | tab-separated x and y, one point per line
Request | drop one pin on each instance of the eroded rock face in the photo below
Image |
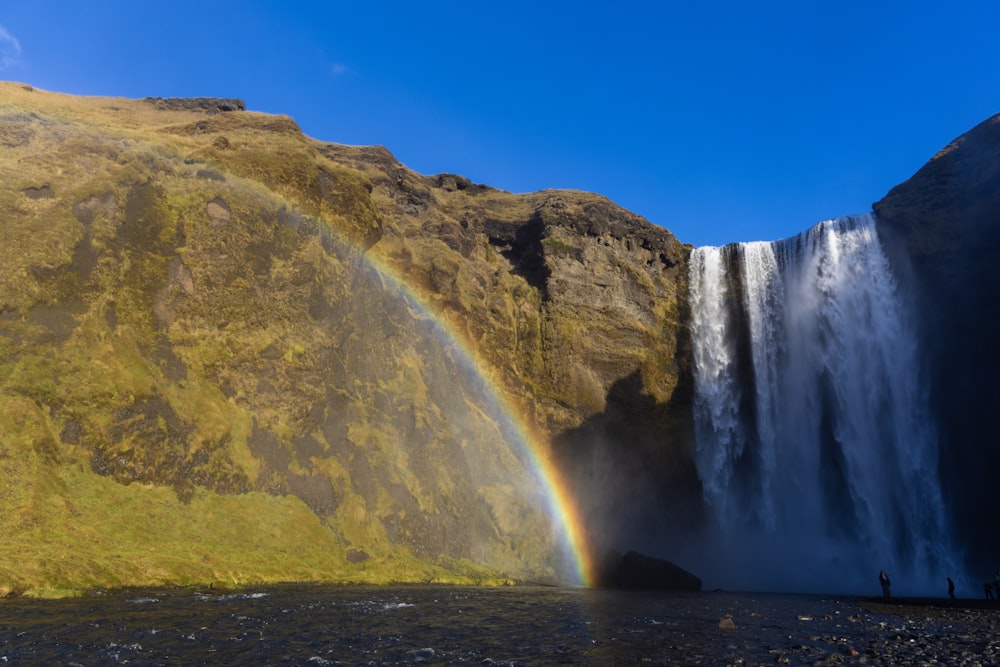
580	307
942	229
564	291
207	104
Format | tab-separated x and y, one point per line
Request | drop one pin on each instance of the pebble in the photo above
868	636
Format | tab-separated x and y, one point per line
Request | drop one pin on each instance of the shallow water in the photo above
330	625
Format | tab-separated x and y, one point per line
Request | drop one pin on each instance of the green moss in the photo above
100	533
183	329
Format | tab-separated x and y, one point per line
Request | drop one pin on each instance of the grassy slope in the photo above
133	324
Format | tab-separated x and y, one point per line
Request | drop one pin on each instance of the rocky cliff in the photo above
232	353
943	228
580	308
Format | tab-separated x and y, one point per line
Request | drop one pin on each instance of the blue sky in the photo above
721	121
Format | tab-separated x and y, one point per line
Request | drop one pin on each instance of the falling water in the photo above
815	452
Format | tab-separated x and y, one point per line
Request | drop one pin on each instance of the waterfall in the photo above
817	458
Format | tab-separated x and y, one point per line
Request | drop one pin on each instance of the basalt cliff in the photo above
942	229
231	353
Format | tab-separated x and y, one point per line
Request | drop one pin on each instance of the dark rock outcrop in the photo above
640	572
630	470
942	230
210	105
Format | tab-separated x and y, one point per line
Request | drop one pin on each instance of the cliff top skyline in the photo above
722	123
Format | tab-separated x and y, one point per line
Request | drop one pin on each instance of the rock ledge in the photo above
211	105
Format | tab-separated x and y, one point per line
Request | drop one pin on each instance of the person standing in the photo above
883	578
951	588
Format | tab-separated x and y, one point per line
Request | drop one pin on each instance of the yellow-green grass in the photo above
216	315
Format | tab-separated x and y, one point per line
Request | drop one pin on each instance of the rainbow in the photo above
561	505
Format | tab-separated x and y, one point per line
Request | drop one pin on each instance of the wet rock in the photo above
637	571
421	656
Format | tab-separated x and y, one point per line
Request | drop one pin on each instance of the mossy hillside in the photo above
58	537
273	151
72	529
188	330
269	150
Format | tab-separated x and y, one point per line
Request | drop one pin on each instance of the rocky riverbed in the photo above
406	625
904	632
931	632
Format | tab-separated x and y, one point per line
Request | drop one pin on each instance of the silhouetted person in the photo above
951	588
883	579
988	590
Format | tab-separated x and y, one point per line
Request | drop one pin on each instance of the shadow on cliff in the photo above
521	245
631	472
941	229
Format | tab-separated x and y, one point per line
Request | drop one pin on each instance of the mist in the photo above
814	445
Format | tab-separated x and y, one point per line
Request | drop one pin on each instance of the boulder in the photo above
638	571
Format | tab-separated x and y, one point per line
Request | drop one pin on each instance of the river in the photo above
360	625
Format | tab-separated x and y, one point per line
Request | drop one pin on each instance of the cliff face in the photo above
580	309
204	375
564	292
943	226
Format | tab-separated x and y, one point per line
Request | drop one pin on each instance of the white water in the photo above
816	456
